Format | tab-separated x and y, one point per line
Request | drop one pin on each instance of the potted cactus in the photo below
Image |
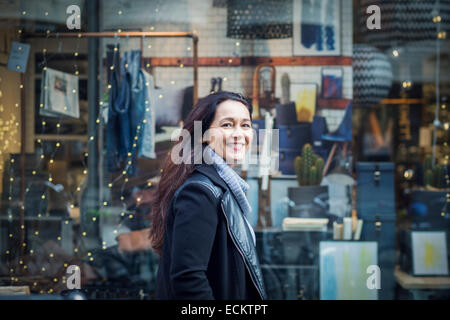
309	199
308	167
433	178
428	203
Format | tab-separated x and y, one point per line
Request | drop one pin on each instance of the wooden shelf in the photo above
248	61
62	137
402	101
332	103
80	77
410	282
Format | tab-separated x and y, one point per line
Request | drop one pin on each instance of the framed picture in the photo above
59	95
316	28
332	83
429	253
343	269
304	95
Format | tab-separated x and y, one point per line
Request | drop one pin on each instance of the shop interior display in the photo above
309	198
351	142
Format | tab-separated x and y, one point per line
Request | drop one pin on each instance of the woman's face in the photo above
230	134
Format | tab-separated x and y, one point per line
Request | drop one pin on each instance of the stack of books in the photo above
350	229
305	224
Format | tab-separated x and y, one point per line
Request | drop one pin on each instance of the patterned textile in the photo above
372	76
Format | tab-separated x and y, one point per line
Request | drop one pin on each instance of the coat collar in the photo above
209	171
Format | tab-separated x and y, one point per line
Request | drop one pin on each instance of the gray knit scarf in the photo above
237	185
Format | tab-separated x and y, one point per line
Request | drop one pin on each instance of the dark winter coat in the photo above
208	250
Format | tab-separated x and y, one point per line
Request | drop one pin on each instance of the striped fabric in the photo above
404	21
372	76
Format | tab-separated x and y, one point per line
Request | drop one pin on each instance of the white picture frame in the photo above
313	18
429	253
343	269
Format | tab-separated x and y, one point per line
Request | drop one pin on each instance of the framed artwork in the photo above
332	83
429	253
59	95
304	95
316	28
343	269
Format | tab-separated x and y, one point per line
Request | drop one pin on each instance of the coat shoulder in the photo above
200	182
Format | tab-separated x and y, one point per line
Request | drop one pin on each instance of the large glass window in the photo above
352	202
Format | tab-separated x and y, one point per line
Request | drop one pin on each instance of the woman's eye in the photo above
246	125
227	125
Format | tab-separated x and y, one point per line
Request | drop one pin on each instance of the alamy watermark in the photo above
74	19
374	20
374	280
189	149
73	277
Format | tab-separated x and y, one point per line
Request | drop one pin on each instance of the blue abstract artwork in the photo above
316	27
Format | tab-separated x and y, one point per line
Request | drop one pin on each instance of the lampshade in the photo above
404	21
372	76
259	19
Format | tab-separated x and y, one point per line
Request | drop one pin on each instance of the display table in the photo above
290	262
420	286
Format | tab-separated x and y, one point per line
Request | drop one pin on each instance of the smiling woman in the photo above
230	134
203	255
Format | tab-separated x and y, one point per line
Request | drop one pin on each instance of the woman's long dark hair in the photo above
173	175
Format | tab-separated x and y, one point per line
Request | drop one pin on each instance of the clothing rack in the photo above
134	34
93	52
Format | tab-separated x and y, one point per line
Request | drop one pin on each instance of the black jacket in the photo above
208	250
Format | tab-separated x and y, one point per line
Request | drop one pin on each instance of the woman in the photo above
199	224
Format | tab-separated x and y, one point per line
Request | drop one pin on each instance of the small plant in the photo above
432	177
309	167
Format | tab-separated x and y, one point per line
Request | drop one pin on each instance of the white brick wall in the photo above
210	23
333	117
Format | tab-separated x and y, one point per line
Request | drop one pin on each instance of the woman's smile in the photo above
232	131
237	146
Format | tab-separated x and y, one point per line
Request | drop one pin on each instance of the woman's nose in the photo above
238	132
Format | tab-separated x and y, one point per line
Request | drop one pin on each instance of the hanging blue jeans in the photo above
137	107
118	133
128	104
147	138
122	107
112	126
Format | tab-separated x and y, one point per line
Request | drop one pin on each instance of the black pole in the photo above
91	196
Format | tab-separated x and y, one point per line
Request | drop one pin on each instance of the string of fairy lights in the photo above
437	124
12	205
34	230
51	159
42	158
125	213
8	134
441	35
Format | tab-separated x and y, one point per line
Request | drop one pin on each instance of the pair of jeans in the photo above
121	126
137	106
145	109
